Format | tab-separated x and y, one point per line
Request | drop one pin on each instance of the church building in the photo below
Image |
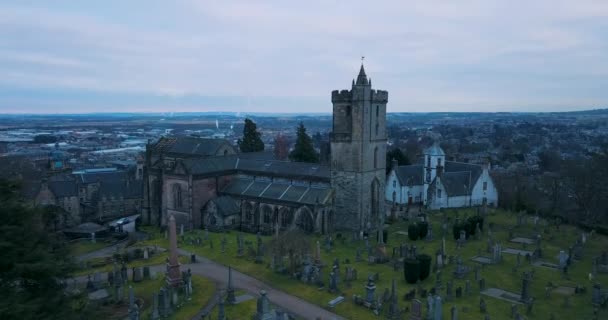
437	183
205	183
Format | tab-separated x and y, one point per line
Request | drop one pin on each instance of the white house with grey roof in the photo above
437	183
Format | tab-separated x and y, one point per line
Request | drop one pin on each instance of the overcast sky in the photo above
266	56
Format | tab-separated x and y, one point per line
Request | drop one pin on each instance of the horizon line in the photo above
276	113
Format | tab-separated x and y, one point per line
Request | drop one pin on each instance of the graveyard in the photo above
514	266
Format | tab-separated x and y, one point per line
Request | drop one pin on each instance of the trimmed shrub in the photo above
412	232
425	265
473	221
423	229
411	270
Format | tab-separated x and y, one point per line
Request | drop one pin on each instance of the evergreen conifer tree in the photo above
303	150
251	141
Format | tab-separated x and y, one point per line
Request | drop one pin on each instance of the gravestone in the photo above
133	308
430	302
453	313
263	311
333	282
525	288
438	308
370	290
155	315
416	310
448	291
596	295
459	292
393	310
123	273
146	273
137	274
482	305
110	277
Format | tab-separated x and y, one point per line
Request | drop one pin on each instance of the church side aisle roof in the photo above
236	164
192	146
275	191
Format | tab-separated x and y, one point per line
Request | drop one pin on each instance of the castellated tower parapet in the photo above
379	96
346	96
338	96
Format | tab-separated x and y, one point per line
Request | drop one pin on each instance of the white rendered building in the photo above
437	183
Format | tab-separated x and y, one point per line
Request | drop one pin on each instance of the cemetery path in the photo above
219	273
107	251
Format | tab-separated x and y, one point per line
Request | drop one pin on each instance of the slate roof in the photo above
410	175
192	146
110	176
63	189
226	205
277	191
457	183
236	164
458	177
116	189
475	169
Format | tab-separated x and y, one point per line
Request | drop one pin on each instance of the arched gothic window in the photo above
177	196
267	216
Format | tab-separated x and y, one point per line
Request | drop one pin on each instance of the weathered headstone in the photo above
155	315
453	313
137	274
263	311
416	310
133	308
393	309
146	271
370	290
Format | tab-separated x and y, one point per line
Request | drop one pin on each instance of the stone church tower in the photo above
358	154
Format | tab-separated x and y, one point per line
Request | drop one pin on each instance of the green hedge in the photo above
425	265
413	232
468	226
423	229
411	270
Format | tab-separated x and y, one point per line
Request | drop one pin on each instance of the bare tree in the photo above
281	147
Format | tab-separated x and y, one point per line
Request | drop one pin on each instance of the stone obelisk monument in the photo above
174	276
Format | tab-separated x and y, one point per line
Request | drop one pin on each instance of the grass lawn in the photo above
203	290
156	259
243	310
85	246
499	276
